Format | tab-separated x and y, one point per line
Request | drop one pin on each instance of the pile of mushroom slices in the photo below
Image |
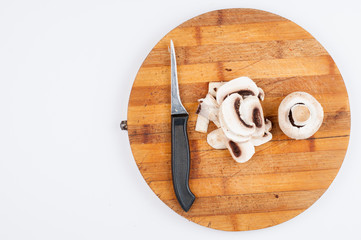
235	108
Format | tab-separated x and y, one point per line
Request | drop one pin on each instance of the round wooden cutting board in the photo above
285	176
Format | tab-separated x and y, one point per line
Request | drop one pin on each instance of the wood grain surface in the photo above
285	176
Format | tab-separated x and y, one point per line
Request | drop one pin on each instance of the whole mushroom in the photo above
300	115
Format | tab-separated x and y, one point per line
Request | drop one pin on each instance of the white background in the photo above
66	71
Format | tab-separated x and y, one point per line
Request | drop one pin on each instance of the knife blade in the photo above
180	143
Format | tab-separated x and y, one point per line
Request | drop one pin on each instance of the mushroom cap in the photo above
232	111
241	152
242	85
252	113
216	139
286	121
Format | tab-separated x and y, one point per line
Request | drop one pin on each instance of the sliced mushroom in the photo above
235	107
208	108
202	124
244	86
232	111
300	115
213	87
241	152
252	113
230	134
216	139
257	141
261	94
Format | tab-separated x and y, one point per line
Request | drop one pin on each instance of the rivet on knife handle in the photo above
180	143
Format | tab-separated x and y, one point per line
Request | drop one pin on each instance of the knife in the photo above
180	143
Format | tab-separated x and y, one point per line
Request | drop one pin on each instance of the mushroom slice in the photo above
244	86
208	108
257	141
213	87
261	94
216	139
252	113
268	125
202	124
230	134
241	152
300	115
232	112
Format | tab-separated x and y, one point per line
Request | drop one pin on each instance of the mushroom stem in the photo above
202	124
208	108
299	115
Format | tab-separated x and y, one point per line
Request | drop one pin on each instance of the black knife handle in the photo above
181	161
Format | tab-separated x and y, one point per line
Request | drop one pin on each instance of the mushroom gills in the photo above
244	86
240	152
216	139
